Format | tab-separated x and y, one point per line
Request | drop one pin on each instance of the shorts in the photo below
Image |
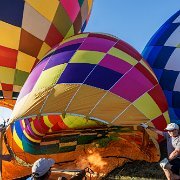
175	166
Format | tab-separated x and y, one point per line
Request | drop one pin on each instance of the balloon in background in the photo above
89	80
30	28
163	54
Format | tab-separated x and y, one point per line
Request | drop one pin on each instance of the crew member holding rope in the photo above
170	165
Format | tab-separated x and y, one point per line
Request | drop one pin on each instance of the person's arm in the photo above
155	130
79	176
174	154
145	126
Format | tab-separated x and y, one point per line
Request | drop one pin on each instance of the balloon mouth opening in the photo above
61	133
67	141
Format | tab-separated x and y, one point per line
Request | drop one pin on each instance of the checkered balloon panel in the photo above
29	29
163	54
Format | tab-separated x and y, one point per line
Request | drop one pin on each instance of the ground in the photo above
139	170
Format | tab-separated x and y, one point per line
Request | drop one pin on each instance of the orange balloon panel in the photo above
8	103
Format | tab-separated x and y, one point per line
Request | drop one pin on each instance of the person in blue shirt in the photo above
171	164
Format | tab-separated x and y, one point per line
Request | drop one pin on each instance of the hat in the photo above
172	126
41	166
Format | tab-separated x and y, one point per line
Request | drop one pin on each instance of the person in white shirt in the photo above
171	164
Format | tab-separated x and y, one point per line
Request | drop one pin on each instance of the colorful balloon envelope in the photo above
30	28
162	53
88	81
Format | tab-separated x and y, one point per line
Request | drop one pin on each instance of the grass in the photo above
139	170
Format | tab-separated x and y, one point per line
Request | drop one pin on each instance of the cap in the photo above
41	166
172	126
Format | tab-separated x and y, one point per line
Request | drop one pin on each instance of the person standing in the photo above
171	164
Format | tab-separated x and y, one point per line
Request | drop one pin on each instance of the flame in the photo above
92	160
96	160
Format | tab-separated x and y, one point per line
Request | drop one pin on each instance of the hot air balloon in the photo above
93	78
162	53
29	29
82	89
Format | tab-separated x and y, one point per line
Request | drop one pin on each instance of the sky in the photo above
4	114
134	21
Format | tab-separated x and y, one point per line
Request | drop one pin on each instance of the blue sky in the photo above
134	21
4	114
